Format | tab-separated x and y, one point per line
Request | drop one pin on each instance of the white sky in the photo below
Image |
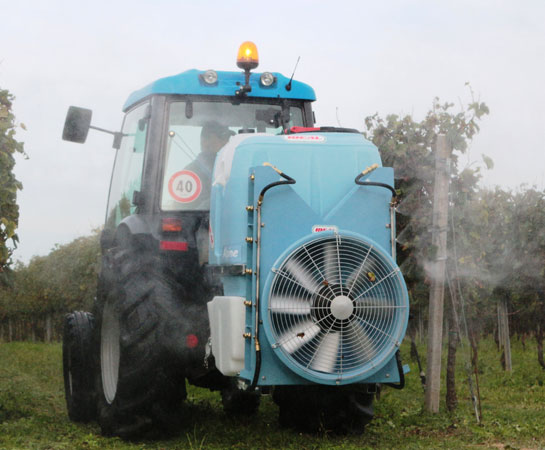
360	57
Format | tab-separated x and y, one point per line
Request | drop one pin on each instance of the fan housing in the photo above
336	309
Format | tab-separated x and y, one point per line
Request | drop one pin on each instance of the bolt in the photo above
274	345
249	239
263	377
387	375
262	225
247	335
248	271
252	177
249	208
247	303
388	225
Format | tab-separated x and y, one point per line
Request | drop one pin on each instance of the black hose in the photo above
289	179
257	368
401	384
375	183
414	354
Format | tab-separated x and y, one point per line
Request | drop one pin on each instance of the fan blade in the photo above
352	280
356	273
289	305
378	282
301	275
331	266
359	341
372	302
378	311
327	353
298	335
379	307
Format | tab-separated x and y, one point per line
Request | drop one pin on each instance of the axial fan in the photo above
337	308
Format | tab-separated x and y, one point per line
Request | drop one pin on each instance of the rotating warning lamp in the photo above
247	57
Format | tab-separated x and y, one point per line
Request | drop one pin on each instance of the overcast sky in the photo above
360	57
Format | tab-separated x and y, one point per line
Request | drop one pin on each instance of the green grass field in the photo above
33	415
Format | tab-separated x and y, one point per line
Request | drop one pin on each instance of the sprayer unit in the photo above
305	242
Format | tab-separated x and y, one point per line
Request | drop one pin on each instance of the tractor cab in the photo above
171	133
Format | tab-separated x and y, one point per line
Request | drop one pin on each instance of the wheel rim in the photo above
109	352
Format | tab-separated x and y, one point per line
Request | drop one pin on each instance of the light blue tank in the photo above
333	306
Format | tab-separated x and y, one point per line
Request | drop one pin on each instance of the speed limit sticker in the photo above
185	186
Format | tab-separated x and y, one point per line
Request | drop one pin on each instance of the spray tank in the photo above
305	244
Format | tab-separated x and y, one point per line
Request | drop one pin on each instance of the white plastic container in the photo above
227	322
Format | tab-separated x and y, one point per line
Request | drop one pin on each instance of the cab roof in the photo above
191	82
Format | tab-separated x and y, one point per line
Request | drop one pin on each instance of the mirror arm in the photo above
103	130
116	134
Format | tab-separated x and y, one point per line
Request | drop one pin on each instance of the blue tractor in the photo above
245	250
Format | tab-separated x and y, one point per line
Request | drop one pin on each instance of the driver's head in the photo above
214	136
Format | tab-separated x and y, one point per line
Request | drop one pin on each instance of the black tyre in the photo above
140	382
239	402
78	367
341	410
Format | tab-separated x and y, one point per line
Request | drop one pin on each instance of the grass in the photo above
33	414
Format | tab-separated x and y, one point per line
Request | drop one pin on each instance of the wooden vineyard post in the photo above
437	291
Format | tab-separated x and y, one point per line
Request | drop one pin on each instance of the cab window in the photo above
129	161
197	130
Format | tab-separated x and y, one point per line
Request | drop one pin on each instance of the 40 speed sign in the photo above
185	186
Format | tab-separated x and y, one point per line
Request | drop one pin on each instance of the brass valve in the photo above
370	169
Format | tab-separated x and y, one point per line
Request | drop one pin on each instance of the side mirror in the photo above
77	124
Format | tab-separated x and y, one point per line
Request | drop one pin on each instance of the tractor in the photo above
245	251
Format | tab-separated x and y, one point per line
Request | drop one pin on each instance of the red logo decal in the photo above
304	138
320	228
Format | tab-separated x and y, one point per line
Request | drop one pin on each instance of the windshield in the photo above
197	130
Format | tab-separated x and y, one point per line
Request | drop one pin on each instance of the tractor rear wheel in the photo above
141	384
78	369
342	410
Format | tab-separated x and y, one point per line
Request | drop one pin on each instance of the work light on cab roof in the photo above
210	77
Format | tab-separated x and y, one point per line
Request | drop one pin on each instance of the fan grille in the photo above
336	306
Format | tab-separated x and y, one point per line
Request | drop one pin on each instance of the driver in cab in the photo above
213	137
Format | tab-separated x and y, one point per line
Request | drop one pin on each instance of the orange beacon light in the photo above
247	57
